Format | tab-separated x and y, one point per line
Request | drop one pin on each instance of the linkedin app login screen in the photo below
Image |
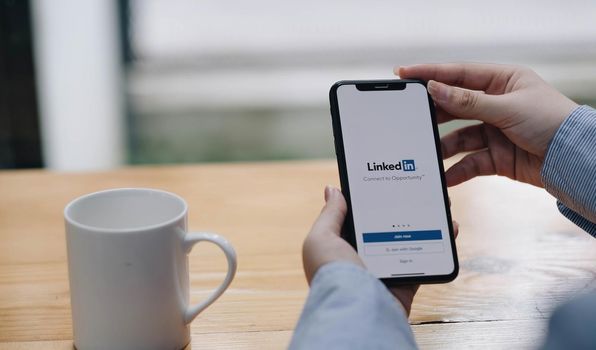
395	184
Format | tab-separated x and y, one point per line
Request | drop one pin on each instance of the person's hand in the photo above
324	245
520	111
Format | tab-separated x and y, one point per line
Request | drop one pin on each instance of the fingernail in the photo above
328	190
439	91
397	69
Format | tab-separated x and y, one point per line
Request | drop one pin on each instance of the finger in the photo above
475	76
472	165
468	104
333	213
470	138
442	116
455	225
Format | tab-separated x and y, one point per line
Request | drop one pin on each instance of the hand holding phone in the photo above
324	245
519	110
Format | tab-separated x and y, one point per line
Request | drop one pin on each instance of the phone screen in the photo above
399	210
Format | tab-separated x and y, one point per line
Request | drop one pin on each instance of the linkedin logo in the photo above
405	165
409	165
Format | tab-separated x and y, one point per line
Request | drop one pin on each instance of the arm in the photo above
347	307
569	171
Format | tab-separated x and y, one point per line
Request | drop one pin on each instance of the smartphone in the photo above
391	172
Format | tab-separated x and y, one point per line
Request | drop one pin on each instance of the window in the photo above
236	80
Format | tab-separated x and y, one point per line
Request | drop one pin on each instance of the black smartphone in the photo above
391	172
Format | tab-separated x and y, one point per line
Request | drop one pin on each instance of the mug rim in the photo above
73	222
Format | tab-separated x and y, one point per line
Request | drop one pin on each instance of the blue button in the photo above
426	235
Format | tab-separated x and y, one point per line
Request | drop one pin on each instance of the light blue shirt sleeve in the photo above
349	308
569	170
569	174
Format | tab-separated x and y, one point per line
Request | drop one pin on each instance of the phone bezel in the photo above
348	232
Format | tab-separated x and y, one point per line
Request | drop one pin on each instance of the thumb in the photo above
333	214
467	104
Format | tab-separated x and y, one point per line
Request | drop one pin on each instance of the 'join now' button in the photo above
425	235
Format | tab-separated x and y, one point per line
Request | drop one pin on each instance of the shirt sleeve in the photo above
569	170
348	308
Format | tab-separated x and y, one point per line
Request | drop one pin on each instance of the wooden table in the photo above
519	257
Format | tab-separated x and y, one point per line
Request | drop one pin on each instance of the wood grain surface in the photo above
519	257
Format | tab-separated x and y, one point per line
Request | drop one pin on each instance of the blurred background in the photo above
94	84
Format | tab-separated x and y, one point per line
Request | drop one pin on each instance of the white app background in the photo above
404	210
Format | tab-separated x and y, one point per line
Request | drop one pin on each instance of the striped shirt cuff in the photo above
577	219
569	170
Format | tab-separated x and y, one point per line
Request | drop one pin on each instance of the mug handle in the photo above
190	239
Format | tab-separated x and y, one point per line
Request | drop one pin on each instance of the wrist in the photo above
564	113
559	114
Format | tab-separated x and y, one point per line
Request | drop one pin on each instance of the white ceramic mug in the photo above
128	269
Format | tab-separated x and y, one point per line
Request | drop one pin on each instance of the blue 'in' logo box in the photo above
409	165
